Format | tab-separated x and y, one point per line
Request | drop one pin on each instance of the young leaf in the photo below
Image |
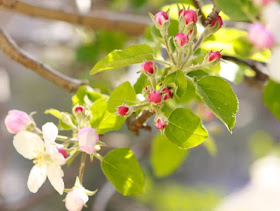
121	58
179	79
165	156
122	94
122	169
98	110
141	83
85	95
185	129
271	97
243	9
110	121
217	95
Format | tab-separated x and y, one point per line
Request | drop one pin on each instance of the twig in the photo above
9	47
134	125
130	24
213	15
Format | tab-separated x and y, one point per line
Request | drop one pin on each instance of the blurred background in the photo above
210	178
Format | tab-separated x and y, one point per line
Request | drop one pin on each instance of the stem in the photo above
188	56
163	62
153	82
82	167
98	156
167	44
193	68
141	105
197	44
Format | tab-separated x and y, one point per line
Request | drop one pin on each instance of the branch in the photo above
134	125
213	15
130	24
9	47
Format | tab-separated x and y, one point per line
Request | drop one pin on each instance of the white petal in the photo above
36	178
271	16
28	144
55	175
55	155
274	65
76	199
50	132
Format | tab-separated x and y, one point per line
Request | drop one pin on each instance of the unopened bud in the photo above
214	56
217	21
123	110
79	109
190	16
260	36
148	67
155	97
17	121
160	124
161	17
88	138
168	93
181	39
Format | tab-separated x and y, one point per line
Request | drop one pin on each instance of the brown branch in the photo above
135	124
213	15
197	5
130	24
9	47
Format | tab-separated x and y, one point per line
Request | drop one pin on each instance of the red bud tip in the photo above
160	124
155	97
79	109
122	110
168	93
214	56
148	67
190	16
161	17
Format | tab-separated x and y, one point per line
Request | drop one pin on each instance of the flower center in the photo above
42	158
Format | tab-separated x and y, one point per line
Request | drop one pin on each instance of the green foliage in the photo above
66	120
140	84
238	10
121	58
217	95
98	109
271	97
122	169
177	78
211	146
165	156
185	129
122	94
85	96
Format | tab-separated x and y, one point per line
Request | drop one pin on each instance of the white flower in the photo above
46	157
274	65
76	199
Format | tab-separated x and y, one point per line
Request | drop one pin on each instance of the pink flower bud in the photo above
219	20
62	151
191	31
148	67
214	56
182	39
161	17
88	138
168	93
260	36
123	110
263	2
160	124
190	16
76	199
79	109
155	97
181	12
17	121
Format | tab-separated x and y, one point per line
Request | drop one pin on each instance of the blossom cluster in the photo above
265	33
48	155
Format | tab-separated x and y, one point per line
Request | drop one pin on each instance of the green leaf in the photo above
120	58
218	96
109	122
54	112
85	96
165	156
238	10
98	110
122	94
185	129
66	120
122	169
179	79
141	83
271	97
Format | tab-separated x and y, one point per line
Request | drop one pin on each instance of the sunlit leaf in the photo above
271	97
179	79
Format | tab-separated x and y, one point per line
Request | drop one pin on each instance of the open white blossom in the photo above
46	157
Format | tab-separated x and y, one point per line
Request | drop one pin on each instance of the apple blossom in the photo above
123	110
76	199
217	20
168	93
17	121
260	36
160	124
161	17
181	39
88	138
190	16
155	97
214	56
47	158
263	2
148	67
79	109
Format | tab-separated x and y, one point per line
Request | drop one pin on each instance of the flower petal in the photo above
28	144
36	178
76	199
55	175
55	155
50	132
273	65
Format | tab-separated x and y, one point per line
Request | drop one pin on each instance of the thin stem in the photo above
141	105
98	156
169	51
82	167
197	44
188	56
153	82
163	62
193	68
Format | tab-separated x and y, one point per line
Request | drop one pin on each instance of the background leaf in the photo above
185	129
122	169
271	97
120	58
165	157
179	78
217	95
